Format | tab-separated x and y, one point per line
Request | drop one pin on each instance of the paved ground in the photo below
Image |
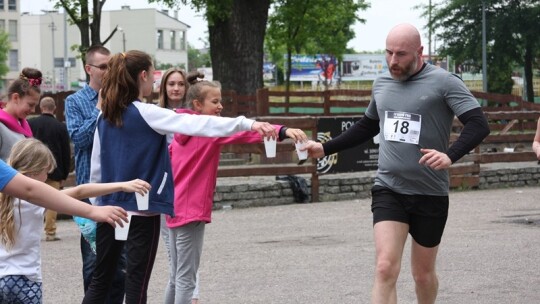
323	253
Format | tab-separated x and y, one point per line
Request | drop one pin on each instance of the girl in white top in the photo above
20	262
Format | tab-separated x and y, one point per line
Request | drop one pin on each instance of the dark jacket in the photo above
54	134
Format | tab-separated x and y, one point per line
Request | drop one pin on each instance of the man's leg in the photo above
423	271
50	216
88	263
426	228
390	237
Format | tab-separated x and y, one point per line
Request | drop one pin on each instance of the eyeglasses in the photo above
102	67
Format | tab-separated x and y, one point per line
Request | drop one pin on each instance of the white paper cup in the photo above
270	147
121	233
142	201
301	154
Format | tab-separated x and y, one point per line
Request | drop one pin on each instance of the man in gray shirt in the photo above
413	107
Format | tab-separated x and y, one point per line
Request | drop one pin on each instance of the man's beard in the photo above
406	72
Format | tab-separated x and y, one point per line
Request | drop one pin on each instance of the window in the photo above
13	60
173	40
12	30
183	40
12	5
2	24
2	5
160	39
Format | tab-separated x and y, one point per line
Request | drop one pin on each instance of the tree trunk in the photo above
236	46
96	23
84	28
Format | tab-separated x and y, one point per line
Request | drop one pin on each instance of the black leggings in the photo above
141	248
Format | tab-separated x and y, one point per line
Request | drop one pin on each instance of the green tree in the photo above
312	27
512	33
5	46
197	59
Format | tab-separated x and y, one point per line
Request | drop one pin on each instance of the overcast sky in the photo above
380	18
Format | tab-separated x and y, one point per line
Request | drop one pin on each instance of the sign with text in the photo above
360	158
358	67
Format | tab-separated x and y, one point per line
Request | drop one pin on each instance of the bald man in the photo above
413	107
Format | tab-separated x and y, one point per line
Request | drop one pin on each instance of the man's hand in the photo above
434	159
315	149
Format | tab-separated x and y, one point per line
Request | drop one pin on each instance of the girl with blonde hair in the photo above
20	261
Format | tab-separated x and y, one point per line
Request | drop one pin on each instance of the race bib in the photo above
402	127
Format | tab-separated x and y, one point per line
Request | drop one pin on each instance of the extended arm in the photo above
363	130
165	121
93	190
46	196
360	132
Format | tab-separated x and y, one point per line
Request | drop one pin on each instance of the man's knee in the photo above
425	278
387	270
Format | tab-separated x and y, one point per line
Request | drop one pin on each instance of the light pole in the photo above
66	62
123	39
53	28
484	50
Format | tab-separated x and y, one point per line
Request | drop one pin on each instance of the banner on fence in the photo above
313	68
361	158
358	67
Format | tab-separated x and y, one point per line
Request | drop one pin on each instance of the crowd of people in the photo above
170	152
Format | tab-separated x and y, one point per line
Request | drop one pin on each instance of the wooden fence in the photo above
512	121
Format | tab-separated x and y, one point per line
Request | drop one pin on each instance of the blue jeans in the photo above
116	293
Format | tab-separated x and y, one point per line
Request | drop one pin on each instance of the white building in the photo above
49	37
9	23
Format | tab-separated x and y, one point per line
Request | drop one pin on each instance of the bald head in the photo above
47	105
404	35
403	51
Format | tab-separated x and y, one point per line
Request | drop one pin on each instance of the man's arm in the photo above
475	129
80	121
362	131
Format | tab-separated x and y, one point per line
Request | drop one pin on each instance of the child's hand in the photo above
136	185
296	134
109	214
265	129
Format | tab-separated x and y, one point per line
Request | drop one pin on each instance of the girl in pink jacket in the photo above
194	163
